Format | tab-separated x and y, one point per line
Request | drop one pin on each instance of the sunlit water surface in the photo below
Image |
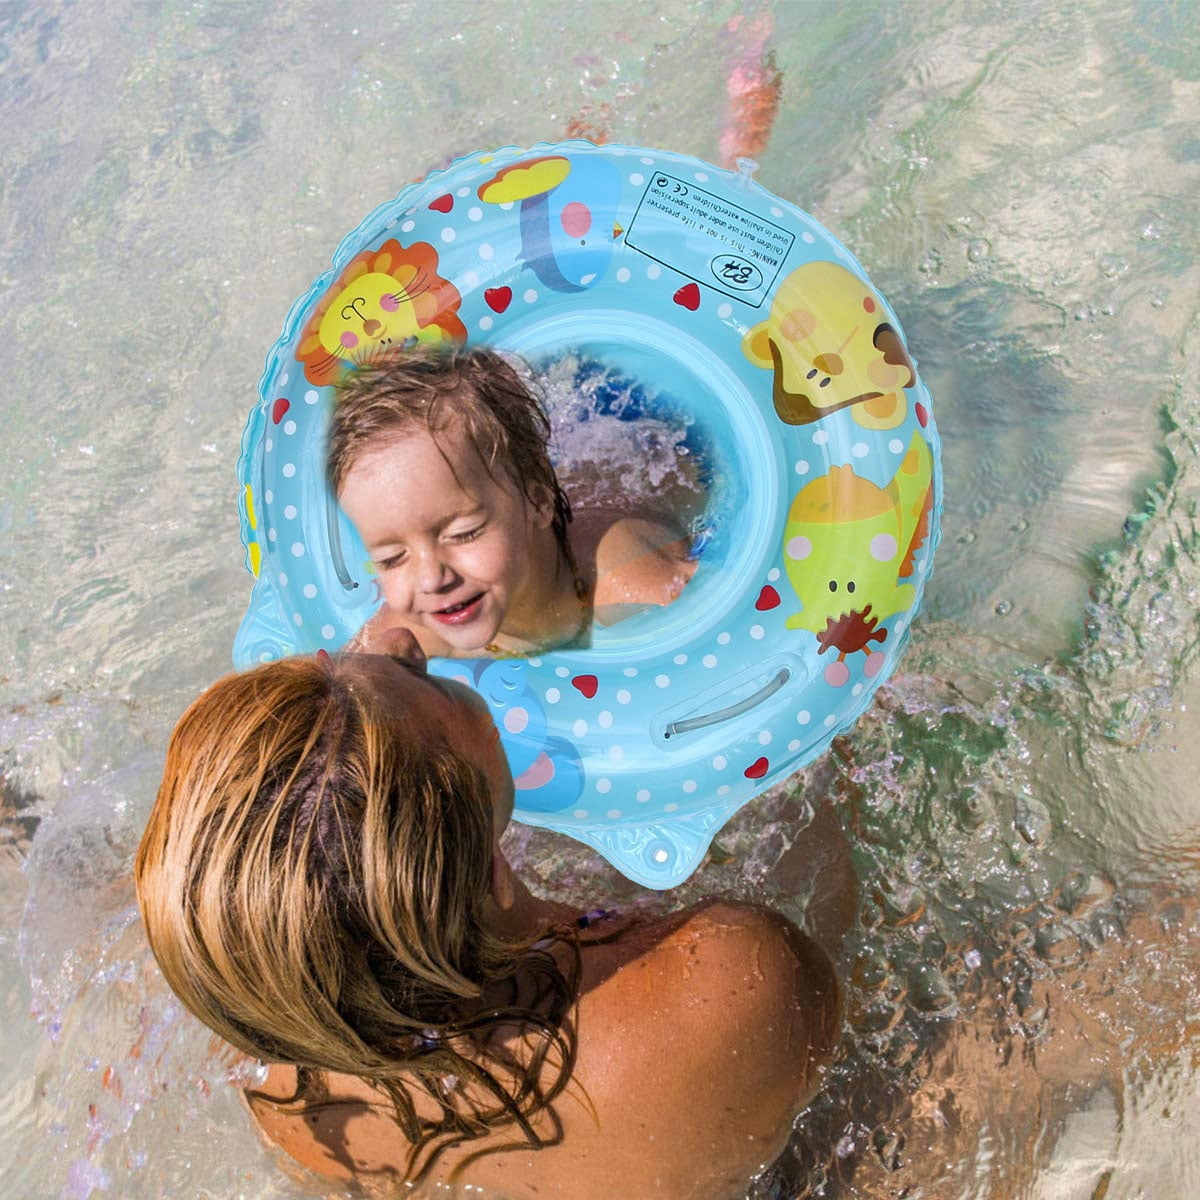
1021	181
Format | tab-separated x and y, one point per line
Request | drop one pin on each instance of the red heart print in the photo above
442	204
922	414
498	299
586	685
768	598
278	409
688	297
757	769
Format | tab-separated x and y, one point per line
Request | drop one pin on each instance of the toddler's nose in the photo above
434	574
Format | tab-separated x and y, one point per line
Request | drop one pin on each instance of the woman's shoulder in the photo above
753	961
705	1042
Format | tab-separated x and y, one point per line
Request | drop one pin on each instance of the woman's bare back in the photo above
700	1037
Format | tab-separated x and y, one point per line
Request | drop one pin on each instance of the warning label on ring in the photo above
708	239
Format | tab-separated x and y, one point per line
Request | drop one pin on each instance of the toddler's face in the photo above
455	549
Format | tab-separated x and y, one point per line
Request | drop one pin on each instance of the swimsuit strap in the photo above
593	915
570	930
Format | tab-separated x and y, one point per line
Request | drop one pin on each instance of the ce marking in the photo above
663	182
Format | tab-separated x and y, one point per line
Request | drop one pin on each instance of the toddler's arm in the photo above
639	563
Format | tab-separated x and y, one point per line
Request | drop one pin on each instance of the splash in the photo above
619	447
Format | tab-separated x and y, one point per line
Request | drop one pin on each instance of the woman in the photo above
322	884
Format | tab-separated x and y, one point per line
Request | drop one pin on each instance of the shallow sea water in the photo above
1019	179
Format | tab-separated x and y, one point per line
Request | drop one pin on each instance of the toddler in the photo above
439	458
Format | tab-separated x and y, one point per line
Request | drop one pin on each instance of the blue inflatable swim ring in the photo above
710	289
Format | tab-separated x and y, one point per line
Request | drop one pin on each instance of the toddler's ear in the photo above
541	500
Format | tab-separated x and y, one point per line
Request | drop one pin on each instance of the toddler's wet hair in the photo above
431	388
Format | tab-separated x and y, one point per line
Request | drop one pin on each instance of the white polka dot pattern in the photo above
748	676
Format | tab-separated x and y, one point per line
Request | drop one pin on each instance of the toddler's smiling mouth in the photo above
460	612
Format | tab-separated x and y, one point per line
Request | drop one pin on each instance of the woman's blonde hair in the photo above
312	883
